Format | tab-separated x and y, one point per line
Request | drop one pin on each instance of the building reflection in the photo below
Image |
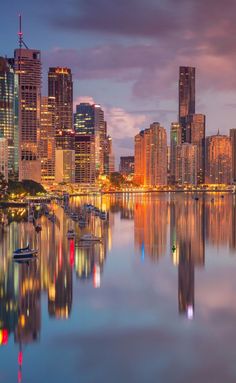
187	241
151	219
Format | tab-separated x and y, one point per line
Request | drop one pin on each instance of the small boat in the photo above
70	234
24	253
90	238
103	215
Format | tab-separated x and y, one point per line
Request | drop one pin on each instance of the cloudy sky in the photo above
125	55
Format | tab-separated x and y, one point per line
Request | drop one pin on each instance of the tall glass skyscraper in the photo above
9	112
186	97
60	90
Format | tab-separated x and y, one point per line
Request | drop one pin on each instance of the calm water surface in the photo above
154	302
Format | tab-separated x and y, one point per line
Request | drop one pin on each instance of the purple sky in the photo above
125	55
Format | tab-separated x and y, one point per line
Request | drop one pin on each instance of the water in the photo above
154	302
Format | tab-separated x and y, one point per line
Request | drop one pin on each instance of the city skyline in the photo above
130	72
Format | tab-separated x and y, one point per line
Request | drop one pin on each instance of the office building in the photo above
9	113
127	165
151	156
89	119
64	166
175	140
60	91
232	133
196	135
186	164
28	67
47	140
4	157
186	97
109	158
218	159
85	159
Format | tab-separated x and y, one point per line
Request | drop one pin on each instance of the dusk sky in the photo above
125	55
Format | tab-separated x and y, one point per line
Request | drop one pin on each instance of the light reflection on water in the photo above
154	301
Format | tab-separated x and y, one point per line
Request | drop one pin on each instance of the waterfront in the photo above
155	301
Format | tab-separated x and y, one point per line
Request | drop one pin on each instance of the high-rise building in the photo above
127	165
233	141
196	125
151	156
139	155
47	140
109	158
218	159
9	113
28	67
64	166
186	97
89	119
60	91
175	140
4	157
84	159
186	164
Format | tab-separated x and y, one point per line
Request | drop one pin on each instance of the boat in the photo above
103	215
24	253
70	234
90	238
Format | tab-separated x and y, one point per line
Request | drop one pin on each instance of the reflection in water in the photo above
165	225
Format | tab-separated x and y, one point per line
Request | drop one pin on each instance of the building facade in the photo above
175	140
64	166
9	113
196	127
186	164
151	156
232	133
60	91
4	157
186	97
127	165
47	140
28	67
218	159
85	159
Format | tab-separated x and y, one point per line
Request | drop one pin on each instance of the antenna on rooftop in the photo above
20	35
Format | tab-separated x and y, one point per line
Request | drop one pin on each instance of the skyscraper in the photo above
232	133
175	140
9	113
109	158
218	159
4	157
60	90
89	119
186	164
186	97
28	68
47	139
139	158
84	159
196	125
151	156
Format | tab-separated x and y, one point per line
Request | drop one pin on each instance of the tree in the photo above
3	185
116	179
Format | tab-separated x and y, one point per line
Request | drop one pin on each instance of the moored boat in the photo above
90	238
70	234
24	253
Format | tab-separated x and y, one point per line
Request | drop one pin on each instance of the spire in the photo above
20	35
